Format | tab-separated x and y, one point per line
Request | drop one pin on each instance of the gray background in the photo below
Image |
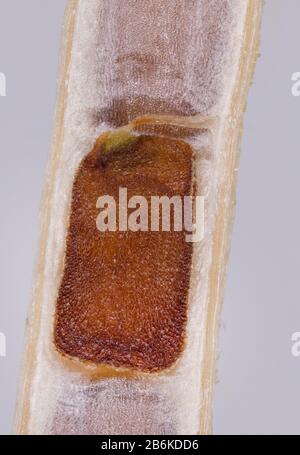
258	379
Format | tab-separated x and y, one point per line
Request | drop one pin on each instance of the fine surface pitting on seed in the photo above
123	295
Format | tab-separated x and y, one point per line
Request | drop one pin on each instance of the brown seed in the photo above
123	296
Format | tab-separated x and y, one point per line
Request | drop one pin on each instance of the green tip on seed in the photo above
116	139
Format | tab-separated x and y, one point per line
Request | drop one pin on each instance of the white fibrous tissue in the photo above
132	58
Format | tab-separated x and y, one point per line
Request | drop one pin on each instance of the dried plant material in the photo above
188	64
